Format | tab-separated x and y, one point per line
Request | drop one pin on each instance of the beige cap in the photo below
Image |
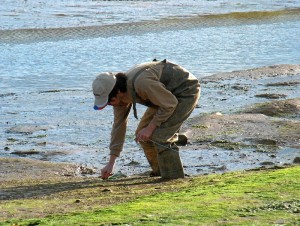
102	86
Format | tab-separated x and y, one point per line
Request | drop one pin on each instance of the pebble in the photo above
267	163
296	160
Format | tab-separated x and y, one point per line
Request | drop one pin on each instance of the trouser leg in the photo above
148	147
165	136
151	155
169	162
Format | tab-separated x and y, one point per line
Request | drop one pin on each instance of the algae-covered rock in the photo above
296	160
280	108
239	131
271	95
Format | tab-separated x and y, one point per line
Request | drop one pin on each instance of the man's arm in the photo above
145	133
117	138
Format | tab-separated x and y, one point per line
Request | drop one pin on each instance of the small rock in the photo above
29	152
117	175
271	95
267	163
243	155
85	170
290	83
106	190
132	163
7	94
296	160
221	168
41	143
261	141
239	87
280	221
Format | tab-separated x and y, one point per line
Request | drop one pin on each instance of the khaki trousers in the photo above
163	154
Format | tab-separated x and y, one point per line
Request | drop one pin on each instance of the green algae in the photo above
240	198
229	145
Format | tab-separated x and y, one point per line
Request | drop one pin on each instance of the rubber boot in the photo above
151	155
182	140
169	162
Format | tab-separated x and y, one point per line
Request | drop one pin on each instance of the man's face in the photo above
117	100
114	101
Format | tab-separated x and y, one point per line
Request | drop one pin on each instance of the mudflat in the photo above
245	119
264	125
264	131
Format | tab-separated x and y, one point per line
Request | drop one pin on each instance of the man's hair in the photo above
121	85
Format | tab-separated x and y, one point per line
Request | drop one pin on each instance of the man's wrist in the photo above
112	158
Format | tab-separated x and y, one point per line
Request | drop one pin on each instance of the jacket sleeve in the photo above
150	88
119	129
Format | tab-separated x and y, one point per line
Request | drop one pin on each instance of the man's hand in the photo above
106	172
145	133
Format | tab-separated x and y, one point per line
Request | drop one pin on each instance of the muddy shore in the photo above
263	131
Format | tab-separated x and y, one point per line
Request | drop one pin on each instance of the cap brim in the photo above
101	102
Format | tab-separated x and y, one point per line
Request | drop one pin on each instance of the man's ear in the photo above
121	94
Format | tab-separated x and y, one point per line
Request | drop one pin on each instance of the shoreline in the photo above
245	133
266	148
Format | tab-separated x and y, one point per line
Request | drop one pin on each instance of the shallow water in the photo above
20	14
46	73
72	64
